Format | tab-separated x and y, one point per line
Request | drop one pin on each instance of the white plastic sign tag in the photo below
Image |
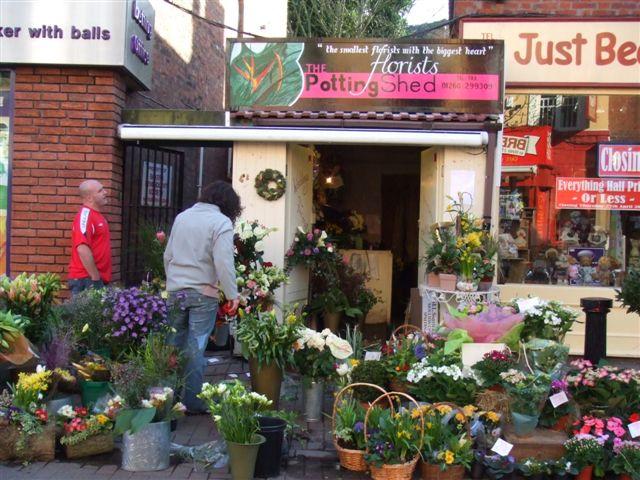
502	447
233	375
558	399
373	356
634	429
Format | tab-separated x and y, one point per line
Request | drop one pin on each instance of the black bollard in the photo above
595	336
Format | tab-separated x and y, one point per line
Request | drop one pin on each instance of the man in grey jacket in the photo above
199	263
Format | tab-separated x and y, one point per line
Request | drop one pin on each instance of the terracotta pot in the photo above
585	474
266	379
447	281
332	320
433	280
562	423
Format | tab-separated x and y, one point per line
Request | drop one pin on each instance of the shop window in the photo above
569	209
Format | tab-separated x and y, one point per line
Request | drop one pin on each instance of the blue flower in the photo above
358	427
420	351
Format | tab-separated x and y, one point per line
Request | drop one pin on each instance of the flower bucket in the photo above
332	320
95	445
38	448
266	380
270	452
312	398
242	458
447	281
524	424
147	450
222	335
585	474
431	471
92	391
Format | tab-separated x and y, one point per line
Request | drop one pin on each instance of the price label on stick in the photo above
502	447
558	399
372	356
634	429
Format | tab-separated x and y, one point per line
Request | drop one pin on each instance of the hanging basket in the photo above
350	459
403	471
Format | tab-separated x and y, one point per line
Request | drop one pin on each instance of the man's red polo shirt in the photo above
90	228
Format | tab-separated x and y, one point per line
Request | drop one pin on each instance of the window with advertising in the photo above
570	190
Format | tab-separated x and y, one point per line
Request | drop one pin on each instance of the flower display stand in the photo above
543	444
433	297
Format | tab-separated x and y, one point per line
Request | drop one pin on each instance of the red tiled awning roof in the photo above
357	115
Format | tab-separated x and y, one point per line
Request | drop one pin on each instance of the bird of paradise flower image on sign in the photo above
265	74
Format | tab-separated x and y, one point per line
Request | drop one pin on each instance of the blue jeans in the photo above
77	285
193	318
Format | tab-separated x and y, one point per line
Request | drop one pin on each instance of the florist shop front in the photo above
366	140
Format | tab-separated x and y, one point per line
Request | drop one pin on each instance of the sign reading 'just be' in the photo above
565	52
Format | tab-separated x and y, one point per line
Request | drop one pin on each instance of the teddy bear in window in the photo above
597	236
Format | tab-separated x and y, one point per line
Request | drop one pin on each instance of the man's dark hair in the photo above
223	195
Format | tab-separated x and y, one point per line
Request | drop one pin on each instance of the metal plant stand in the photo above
433	297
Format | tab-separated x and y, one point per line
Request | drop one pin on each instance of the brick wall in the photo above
577	8
65	123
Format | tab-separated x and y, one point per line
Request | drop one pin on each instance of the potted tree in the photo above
234	411
315	356
268	345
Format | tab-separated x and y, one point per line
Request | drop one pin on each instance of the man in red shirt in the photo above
90	264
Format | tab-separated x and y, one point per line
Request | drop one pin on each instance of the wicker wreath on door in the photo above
270	184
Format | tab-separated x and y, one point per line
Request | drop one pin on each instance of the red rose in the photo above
635	417
267	264
161	237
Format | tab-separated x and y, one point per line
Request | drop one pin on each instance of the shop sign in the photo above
332	75
157	181
598	193
616	160
526	146
560	52
82	32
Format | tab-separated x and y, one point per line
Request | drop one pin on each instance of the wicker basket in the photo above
350	459
430	471
38	448
405	329
102	443
402	471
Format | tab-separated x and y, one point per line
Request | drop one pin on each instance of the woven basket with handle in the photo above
403	471
431	471
350	459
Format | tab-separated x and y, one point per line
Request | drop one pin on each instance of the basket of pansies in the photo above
406	346
85	434
448	446
25	431
348	427
394	437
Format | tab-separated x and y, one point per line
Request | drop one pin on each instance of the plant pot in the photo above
332	320
242	458
447	281
585	474
433	280
270	452
147	450
38	448
524	424
312	396
266	379
562	423
430	471
92	391
401	471
477	470
397	385
485	285
95	445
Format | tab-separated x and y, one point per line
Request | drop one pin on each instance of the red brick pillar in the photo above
65	131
